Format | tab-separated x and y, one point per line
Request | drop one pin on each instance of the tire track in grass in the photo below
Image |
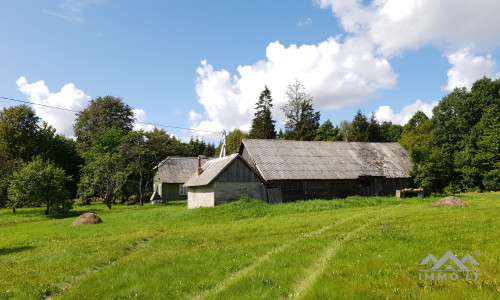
247	270
318	266
129	252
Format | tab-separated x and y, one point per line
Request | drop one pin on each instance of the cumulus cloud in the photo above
468	68
341	73
140	118
385	113
336	74
69	97
396	25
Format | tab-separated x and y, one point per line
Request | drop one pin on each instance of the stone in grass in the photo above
87	218
449	201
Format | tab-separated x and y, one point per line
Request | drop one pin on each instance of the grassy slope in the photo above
356	247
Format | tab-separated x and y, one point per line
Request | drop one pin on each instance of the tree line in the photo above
458	149
106	160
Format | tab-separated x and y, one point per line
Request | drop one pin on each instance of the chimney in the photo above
199	170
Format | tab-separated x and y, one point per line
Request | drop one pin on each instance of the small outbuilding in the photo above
171	175
223	180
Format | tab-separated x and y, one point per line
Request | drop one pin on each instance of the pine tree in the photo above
374	132
302	121
263	124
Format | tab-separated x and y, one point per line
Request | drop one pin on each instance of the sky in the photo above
203	64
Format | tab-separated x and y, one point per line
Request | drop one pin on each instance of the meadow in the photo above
358	247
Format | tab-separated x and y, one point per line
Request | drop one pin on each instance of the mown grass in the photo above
342	248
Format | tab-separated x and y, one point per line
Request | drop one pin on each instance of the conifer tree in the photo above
263	124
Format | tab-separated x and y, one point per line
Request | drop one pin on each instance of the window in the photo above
183	190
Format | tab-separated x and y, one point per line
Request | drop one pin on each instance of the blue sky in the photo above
202	64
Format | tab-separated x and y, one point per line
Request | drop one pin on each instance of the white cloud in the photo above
71	10
396	25
69	98
140	118
307	21
468	68
348	72
385	113
336	75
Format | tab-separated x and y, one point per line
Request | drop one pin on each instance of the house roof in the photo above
178	169
213	168
296	160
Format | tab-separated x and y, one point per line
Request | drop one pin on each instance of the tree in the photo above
106	167
360	128
326	132
102	114
19	142
374	132
390	132
263	123
302	121
62	152
40	182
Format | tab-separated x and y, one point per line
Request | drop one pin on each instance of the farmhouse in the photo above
172	173
223	180
295	170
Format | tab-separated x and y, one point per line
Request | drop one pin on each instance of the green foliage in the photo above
263	123
390	132
360	129
106	166
302	121
40	183
19	142
326	132
374	131
102	114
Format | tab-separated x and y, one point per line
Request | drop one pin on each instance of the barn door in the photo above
274	195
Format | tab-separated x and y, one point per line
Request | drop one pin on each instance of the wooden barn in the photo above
170	177
295	170
223	180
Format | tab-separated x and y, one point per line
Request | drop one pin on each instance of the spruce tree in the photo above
263	124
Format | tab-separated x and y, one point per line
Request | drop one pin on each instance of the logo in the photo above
444	270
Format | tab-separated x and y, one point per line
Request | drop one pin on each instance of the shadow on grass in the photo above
6	251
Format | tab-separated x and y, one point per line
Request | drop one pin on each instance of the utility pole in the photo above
223	148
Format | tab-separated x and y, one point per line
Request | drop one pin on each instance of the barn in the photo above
223	180
170	177
295	170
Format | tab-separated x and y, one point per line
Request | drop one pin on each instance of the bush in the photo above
40	183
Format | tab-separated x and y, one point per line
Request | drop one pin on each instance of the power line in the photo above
75	111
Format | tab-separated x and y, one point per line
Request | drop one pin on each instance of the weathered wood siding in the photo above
231	191
201	196
237	171
292	190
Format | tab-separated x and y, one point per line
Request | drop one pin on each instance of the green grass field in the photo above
344	248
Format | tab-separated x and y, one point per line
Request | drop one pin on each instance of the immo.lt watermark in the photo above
443	270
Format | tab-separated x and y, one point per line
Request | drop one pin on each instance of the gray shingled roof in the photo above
211	169
178	169
288	160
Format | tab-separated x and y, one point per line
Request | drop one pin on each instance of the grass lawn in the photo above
343	248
